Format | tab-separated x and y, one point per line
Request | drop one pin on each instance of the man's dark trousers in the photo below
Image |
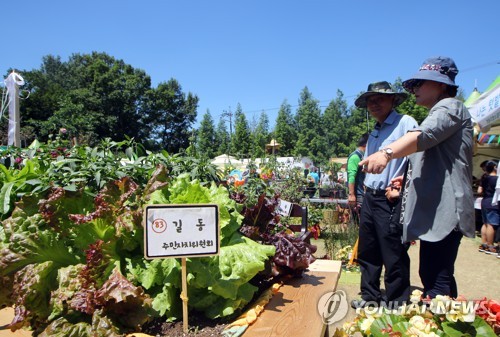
380	245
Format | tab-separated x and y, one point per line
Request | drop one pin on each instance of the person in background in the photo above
495	202
326	180
355	175
313	176
355	179
379	244
490	213
438	203
476	184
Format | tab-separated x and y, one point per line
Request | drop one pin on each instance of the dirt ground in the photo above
477	275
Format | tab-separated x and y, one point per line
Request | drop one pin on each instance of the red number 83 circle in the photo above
159	225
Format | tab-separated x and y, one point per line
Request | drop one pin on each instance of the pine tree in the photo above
261	136
240	141
206	144
311	142
285	131
222	138
337	122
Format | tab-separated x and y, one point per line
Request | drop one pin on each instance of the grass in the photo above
350	277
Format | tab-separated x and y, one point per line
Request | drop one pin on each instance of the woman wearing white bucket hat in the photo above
438	204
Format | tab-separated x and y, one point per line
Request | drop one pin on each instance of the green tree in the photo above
222	138
335	121
310	140
410	107
170	115
240	141
285	131
92	95
206	137
260	135
95	96
358	122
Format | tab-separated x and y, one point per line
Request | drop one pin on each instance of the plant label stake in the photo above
181	231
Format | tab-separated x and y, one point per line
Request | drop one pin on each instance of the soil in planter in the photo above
199	326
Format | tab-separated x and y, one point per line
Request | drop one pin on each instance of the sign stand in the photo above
184	297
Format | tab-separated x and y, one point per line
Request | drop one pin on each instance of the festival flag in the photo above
483	138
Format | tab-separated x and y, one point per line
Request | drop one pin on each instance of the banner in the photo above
12	82
486	109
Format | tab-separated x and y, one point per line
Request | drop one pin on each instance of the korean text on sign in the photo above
181	230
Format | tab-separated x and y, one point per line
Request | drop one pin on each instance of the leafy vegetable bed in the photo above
71	241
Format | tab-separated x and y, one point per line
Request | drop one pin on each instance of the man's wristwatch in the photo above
388	152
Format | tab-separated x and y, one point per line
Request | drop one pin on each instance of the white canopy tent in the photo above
227	160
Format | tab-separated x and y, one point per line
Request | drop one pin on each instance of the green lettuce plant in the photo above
72	263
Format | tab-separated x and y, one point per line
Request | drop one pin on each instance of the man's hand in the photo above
351	199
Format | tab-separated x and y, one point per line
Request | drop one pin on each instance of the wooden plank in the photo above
327	266
6	316
293	310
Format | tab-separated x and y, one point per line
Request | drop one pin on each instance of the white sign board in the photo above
284	207
181	230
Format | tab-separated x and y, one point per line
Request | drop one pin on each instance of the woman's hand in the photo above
397	182
393	191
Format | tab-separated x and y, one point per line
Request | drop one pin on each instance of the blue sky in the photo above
259	53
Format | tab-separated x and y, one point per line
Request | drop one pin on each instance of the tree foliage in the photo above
285	131
241	142
95	96
222	138
310	141
260	135
170	115
206	138
335	126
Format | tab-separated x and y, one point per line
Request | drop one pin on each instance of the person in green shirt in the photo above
355	174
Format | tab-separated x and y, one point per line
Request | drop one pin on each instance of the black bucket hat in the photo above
438	69
378	88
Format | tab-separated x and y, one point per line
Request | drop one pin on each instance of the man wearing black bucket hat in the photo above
379	242
438	203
